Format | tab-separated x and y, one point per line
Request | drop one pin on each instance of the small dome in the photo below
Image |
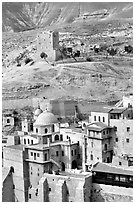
38	111
46	118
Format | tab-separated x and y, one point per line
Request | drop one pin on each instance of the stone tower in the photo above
48	42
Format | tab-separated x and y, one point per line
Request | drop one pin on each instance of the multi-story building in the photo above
98	144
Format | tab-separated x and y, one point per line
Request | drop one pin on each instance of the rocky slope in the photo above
20	16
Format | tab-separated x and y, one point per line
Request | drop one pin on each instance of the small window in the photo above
105	146
57	153
78	156
28	141
61	137
75	151
99	118
120	163
31	153
46	130
91	156
128	129
8	120
32	142
62	153
36	130
56	137
38	155
13	186
72	153
103	119
103	132
24	141
45	156
94	118
127	140
116	139
115	128
67	136
49	189
29	196
92	144
38	174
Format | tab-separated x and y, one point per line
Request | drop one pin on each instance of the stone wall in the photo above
108	193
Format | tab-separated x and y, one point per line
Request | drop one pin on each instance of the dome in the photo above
38	111
46	118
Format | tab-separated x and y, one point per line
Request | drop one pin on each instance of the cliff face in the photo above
20	16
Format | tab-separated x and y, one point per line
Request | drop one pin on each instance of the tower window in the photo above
128	129
61	137
36	130
94	118
127	140
8	120
99	118
103	119
116	139
24	141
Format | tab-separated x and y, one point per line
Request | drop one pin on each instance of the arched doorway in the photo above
62	166
74	164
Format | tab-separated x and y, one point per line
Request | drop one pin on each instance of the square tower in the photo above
48	42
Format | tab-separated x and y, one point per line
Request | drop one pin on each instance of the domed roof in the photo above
38	111
46	118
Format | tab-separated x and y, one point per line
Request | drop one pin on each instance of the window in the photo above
61	137
128	129
38	174
99	118
67	136
45	156
32	142
103	119
116	139
8	120
115	128
91	156
92	144
52	128
29	196
105	146
62	153
57	153
127	140
49	189
24	141
13	186
36	130
46	130
56	137
75	151
38	155
120	163
28	141
31	153
72	153
94	118
103	132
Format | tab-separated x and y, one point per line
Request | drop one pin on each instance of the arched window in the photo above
103	119
36	130
99	118
46	130
28	141
56	137
24	141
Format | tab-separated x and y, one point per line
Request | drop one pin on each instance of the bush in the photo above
27	60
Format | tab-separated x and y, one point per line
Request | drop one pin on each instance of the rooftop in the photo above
97	126
118	110
18	147
107	168
102	109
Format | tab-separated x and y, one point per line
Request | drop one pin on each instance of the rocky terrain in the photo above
102	79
